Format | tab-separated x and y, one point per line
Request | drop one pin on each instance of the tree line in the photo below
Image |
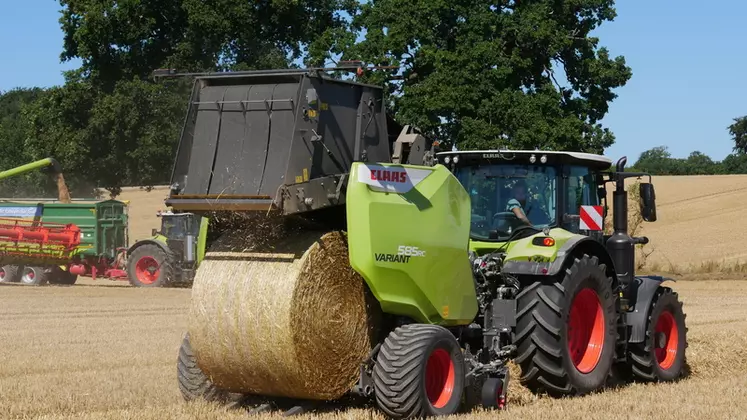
658	161
476	73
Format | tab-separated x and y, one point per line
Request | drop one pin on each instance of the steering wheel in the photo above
506	221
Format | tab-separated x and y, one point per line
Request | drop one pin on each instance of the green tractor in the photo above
172	254
541	285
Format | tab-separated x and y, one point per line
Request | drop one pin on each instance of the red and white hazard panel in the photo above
592	218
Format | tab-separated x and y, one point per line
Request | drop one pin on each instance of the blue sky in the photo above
687	60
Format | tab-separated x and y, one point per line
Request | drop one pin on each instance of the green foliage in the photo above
738	131
12	151
658	161
123	138
485	74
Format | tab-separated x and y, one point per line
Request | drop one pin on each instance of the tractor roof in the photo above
595	161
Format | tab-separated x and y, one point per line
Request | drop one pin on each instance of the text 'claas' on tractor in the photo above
387	271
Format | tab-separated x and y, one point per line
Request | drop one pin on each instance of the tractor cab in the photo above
511	190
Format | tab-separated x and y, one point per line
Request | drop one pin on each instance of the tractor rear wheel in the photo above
9	274
194	384
149	265
566	330
419	371
661	357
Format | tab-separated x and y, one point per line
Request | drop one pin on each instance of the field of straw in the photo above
104	351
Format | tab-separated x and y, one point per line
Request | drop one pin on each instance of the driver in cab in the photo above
519	205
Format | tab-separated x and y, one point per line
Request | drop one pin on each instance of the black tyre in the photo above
566	330
194	384
36	276
661	357
9	274
493	394
149	265
419	372
62	277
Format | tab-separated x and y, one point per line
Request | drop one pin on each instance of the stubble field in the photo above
104	350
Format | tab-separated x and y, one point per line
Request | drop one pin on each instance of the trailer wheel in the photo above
661	357
148	266
419	372
63	277
194	384
9	274
34	276
566	330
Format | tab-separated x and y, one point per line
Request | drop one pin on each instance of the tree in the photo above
121	40
125	138
13	128
738	131
484	73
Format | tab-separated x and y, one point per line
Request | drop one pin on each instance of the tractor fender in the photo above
576	246
150	241
642	292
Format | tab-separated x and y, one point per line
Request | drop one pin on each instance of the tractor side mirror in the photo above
154	232
648	202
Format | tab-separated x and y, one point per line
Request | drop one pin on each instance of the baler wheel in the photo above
34	275
9	274
149	265
419	371
194	384
661	357
566	330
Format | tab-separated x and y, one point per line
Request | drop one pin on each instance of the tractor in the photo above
476	258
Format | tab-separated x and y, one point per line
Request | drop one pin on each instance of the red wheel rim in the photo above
439	378
586	330
666	352
147	270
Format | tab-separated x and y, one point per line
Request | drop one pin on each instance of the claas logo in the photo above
390	176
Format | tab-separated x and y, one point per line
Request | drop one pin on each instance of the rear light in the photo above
543	241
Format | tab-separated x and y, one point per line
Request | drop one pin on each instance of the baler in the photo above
474	258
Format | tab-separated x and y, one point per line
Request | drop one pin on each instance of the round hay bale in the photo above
297	329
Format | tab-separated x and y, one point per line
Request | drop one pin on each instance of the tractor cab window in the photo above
496	190
581	191
174	226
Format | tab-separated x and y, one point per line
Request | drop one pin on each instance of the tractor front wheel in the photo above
566	330
661	357
149	266
419	372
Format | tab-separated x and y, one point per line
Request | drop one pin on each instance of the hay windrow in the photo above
291	329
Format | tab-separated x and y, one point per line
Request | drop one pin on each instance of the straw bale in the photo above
297	329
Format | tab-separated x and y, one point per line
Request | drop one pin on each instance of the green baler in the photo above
57	242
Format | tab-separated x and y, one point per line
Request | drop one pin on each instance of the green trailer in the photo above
57	242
